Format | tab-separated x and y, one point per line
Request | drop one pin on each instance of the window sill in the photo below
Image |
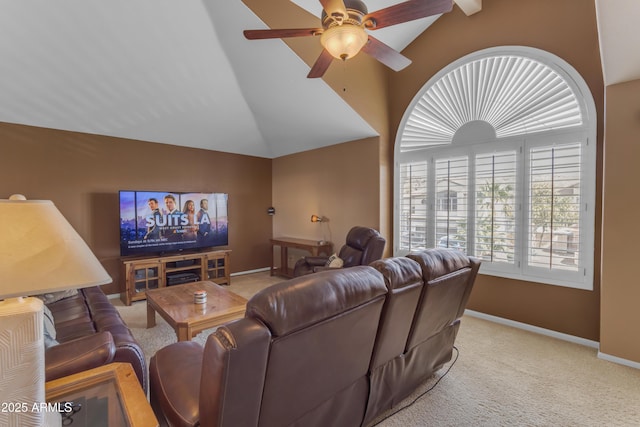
567	282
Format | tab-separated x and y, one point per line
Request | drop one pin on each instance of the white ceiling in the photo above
180	72
619	39
168	71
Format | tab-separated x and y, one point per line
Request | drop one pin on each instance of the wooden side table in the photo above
315	247
108	395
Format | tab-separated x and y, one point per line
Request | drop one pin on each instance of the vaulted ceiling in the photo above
180	72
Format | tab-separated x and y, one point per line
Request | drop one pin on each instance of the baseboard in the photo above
618	360
535	329
554	334
257	270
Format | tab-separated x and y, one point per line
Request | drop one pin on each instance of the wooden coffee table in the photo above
175	305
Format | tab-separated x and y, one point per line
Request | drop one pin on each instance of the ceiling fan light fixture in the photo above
344	41
343	33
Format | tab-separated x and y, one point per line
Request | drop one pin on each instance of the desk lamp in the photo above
40	252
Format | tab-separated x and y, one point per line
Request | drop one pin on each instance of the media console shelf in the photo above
142	274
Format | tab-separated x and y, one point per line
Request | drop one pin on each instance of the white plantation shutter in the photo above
514	94
451	207
412	207
505	132
555	207
496	207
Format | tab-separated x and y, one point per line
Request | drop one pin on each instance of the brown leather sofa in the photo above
336	348
89	333
363	245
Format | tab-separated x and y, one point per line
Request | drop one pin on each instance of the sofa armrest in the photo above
174	390
316	261
320	268
79	355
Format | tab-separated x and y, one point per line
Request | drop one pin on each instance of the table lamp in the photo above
40	252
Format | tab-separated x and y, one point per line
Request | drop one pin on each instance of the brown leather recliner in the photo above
301	356
363	246
427	295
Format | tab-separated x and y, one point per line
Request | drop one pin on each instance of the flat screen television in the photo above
156	222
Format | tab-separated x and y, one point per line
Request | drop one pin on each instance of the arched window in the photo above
495	156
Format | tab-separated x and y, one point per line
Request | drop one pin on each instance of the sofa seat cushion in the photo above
72	330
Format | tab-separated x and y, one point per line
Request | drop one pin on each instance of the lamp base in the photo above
22	357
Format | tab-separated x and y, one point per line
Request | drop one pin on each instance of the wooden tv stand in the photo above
142	274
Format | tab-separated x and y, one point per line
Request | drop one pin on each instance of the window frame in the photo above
584	134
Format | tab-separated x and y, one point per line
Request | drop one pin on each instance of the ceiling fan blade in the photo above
321	65
406	11
284	33
334	6
385	54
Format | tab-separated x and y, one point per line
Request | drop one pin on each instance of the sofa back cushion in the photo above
403	278
233	372
449	276
323	329
72	318
363	246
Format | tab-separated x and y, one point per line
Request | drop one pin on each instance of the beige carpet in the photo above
503	377
162	334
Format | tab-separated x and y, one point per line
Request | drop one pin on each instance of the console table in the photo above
143	274
315	247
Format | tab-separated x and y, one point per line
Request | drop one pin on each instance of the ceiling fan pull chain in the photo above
344	75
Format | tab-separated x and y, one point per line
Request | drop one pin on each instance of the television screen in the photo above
157	222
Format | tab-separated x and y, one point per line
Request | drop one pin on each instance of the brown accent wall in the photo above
340	182
567	29
620	316
82	174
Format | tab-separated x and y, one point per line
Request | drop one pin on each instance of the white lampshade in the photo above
40	251
344	41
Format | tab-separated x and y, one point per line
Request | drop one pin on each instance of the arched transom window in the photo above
495	156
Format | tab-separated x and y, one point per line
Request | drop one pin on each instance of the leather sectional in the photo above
89	333
333	348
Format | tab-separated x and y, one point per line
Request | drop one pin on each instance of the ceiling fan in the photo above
343	32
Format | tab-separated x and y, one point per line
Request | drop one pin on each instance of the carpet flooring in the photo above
503	376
